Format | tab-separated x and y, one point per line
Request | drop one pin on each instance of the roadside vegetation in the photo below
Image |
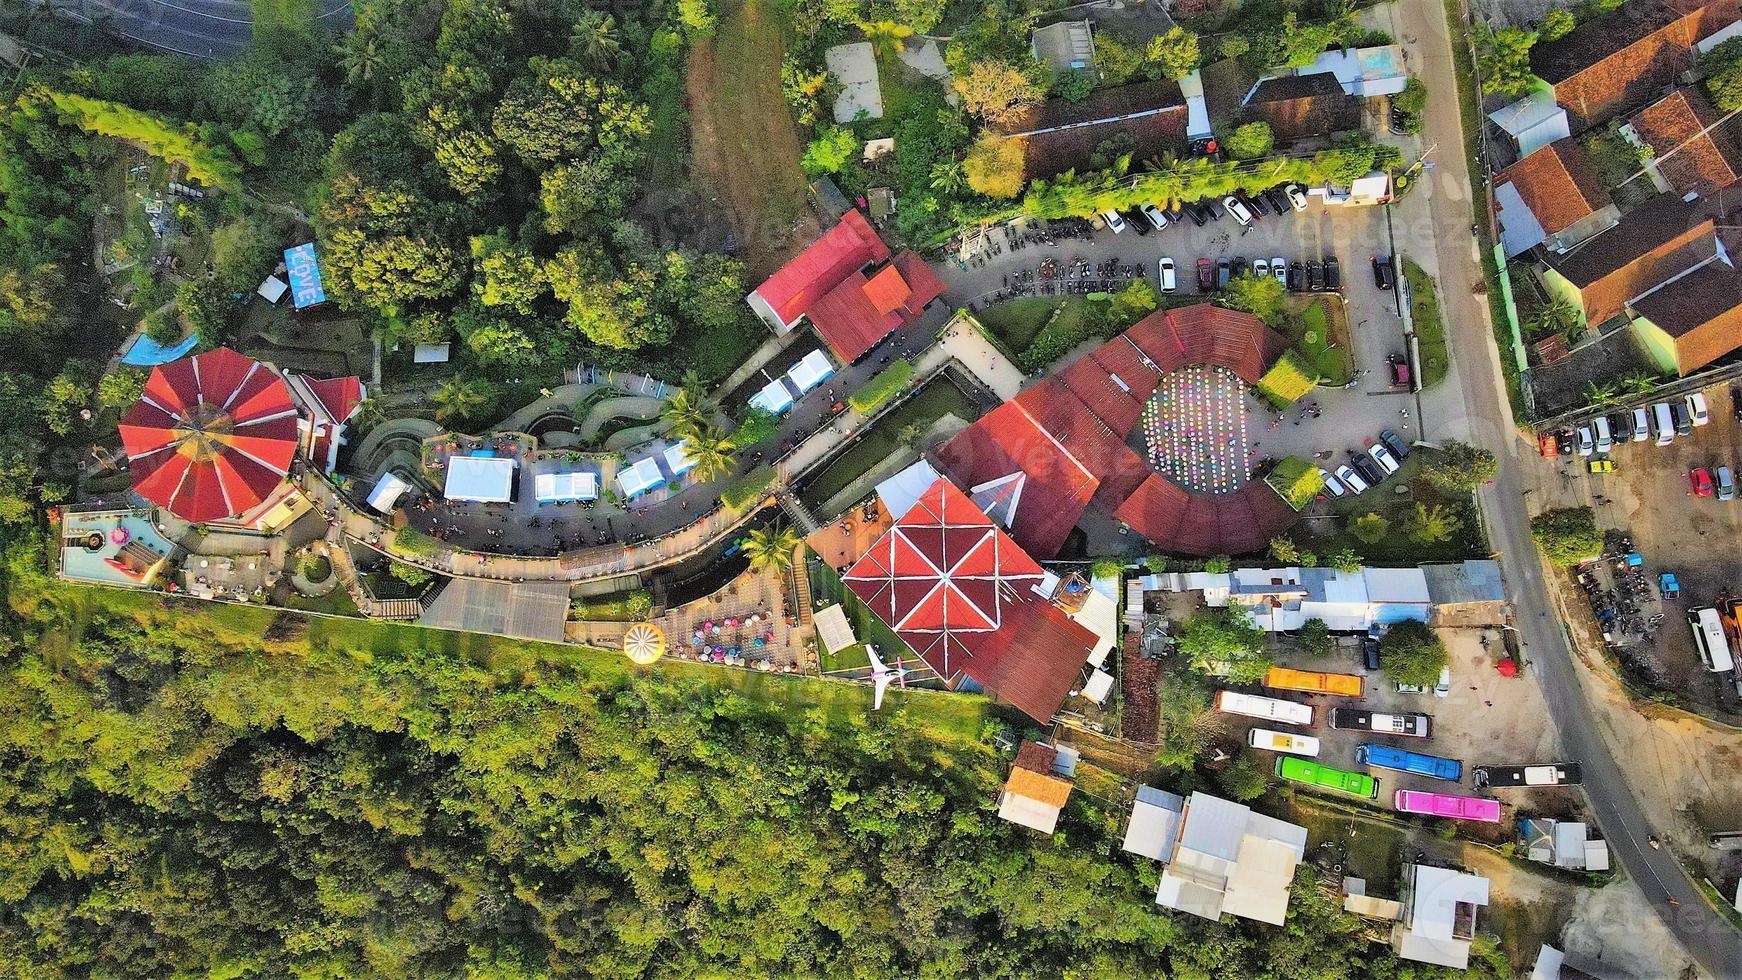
1430	327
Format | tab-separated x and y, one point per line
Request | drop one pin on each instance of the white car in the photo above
1697	408
1296	196
1279	271
1238	210
1260	269
1332	483
1115	224
1587	442
1444	687
1351	478
1383	457
1605	439
1157	218
1166	272
1641	424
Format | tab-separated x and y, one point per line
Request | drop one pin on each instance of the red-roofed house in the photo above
849	287
1689	151
961	593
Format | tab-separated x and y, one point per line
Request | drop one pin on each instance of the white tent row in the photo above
641	477
483	479
774	398
677	458
550	488
811	371
387	492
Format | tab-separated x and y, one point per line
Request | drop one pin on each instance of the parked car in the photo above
1315	275
1240	267
1367	468
1684	419
1351	479
1277	200
1399	366
1700	482
1384	276
1333	273
1369	653
1296	277
1136	220
1399	121
1334	485
1279	271
1115	224
1621	423
1726	484
1242	215
1641	424
1260	269
1397	446
1296	196
1383	457
1155	216
1587	441
1600	466
1166	271
1254	203
1663	423
1176	214
1443	688
1222	273
1212	208
1564	439
1697	408
1199	215
1206	276
1605	441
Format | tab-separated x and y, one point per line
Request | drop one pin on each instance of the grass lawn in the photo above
1396	548
867	628
950	718
1319	331
1430	328
618	607
1016	322
1374	851
938	398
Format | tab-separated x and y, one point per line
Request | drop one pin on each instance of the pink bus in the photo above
1444	805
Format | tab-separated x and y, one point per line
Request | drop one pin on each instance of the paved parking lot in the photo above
1348	417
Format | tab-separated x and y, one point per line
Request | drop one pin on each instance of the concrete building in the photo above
1221	857
1282	599
1038	787
1439	915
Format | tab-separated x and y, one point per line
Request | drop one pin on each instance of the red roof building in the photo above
849	287
212	436
1689	151
1036	463
960	592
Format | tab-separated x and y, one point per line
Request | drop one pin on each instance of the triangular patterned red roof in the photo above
212	436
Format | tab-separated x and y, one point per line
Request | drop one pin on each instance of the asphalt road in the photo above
1711	940
205	29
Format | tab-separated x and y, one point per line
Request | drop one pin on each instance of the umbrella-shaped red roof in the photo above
212	436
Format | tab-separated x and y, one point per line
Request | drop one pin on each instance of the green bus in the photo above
1311	773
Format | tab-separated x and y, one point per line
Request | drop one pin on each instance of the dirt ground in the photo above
1647	495
745	145
1616	926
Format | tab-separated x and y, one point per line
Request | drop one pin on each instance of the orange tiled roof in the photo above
1558	183
1040	787
1704	161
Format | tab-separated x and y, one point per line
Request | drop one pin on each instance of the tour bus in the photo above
1270	709
1269	741
1314	682
1709	640
1450	807
1312	774
1415	726
1386	757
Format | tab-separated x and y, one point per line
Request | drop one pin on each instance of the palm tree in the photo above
684	413
711	452
948	177
462	399
1432	524
908	435
1558	316
886	36
1639	383
1602	393
359	56
594	41
771	550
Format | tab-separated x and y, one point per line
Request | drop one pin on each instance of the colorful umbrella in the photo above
644	643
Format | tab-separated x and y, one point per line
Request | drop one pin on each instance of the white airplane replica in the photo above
882	674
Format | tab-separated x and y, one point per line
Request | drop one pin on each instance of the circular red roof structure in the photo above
212	436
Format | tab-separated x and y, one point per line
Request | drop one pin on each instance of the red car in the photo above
1701	481
1206	276
1546	443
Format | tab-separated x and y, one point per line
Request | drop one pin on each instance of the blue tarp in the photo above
146	352
305	275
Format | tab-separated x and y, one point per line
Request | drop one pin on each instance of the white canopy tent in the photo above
550	488
813	370
678	459
484	479
773	398
643	476
272	289
387	492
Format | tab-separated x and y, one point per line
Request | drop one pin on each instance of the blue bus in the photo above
1386	757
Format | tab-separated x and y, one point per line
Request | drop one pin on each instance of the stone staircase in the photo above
800	514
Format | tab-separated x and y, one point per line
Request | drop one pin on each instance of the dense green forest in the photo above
205	790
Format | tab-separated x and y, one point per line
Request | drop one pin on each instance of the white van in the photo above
1663	423
1605	439
1641	425
1269	741
1166	273
1709	640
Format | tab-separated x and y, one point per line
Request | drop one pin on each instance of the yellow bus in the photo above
1315	682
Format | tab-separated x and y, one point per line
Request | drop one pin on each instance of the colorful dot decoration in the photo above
1195	428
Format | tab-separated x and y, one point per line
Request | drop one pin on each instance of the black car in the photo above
1369	653
1565	442
1333	273
1684	423
1211	207
1278	200
1240	266
1254	204
1398	447
1315	275
1199	216
1384	276
1173	213
1296	277
1368	469
1136	220
1621	424
1222	275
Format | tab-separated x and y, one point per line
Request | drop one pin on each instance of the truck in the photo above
1386	757
1414	726
1544	774
1313	682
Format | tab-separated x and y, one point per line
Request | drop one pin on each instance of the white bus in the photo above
1270	709
1269	741
1709	640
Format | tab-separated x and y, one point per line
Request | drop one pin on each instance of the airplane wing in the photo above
877	666
882	684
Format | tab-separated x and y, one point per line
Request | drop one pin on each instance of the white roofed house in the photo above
1221	857
1439	915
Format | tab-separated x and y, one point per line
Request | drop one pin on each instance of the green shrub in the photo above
410	541
758	425
1567	536
882	387
748	488
1107	568
413	576
1296	481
